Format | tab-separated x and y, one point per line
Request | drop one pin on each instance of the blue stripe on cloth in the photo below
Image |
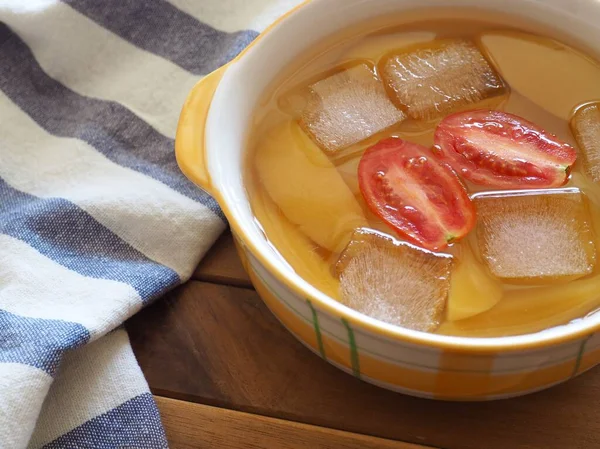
71	237
160	28
133	424
38	342
109	127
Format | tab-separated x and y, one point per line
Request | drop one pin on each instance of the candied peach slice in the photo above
553	75
530	310
293	244
306	187
473	290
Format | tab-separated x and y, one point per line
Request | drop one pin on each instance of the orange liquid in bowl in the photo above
529	264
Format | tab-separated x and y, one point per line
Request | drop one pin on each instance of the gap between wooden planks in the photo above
219	345
222	265
198	426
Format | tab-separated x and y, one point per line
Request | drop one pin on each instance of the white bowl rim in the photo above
580	11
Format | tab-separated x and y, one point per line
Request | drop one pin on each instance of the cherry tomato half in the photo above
422	199
498	149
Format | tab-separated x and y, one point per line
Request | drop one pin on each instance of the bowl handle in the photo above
189	140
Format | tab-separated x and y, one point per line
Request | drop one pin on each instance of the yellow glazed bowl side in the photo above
419	370
422	372
389	359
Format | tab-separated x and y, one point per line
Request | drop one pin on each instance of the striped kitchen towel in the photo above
96	220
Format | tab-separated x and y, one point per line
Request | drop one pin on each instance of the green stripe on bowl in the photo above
315	321
353	349
580	355
404	362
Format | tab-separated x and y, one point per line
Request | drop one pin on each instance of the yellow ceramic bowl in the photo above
210	149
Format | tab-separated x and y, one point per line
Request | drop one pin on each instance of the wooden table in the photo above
226	374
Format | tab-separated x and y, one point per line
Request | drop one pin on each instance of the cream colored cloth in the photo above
96	220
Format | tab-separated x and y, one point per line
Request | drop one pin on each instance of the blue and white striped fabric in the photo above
95	219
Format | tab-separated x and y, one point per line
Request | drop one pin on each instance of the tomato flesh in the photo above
423	200
498	149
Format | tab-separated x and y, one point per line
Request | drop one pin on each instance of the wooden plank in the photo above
195	426
219	345
222	265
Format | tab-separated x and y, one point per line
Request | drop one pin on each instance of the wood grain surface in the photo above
193	426
222	265
218	345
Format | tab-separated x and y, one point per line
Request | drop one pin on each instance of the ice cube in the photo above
348	107
436	79
394	281
586	128
535	236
